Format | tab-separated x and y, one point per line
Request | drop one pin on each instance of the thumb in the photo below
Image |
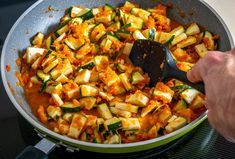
195	74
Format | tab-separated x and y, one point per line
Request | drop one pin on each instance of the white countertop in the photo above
226	9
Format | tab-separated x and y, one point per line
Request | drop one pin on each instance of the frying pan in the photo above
39	18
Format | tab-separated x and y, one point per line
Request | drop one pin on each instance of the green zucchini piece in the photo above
98	32
49	42
165	37
201	50
210	43
181	104
178	39
74	11
70	107
38	39
87	91
139	12
87	102
75	129
119	112
125	81
138	98
127	107
42	76
54	112
136	22
61	29
89	65
112	124
73	43
123	34
32	52
138	35
149	33
108	7
127	49
136	78
177	31
176	124
189	95
130	123
86	14
192	29
104	111
114	26
187	42
83	76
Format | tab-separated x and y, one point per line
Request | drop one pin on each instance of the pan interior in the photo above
40	18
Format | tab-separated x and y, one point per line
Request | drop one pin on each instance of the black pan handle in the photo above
32	152
39	151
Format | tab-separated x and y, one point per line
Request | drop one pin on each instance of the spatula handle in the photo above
182	76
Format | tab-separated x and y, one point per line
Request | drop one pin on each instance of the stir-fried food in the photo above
80	82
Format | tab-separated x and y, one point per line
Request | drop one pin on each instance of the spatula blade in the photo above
149	56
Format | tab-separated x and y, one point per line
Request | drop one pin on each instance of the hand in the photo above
217	71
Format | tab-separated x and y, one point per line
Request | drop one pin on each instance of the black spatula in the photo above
150	55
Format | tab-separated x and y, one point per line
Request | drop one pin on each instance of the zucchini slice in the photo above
104	111
123	34
138	98
77	124
101	62
136	78
61	29
86	14
209	41
149	33
83	76
87	90
98	32
87	102
177	31
112	124
138	35
32	52
73	43
114	26
139	12
176	124
38	39
201	50
50	88
181	104
114	139
136	22
127	49
108	7
192	29
130	123
127	107
57	100
187	42
189	95
70	107
125	81
74	11
54	112
120	112
49	42
150	107
106	96
178	39
42	76
198	102
165	37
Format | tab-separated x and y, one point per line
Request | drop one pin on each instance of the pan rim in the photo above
39	126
